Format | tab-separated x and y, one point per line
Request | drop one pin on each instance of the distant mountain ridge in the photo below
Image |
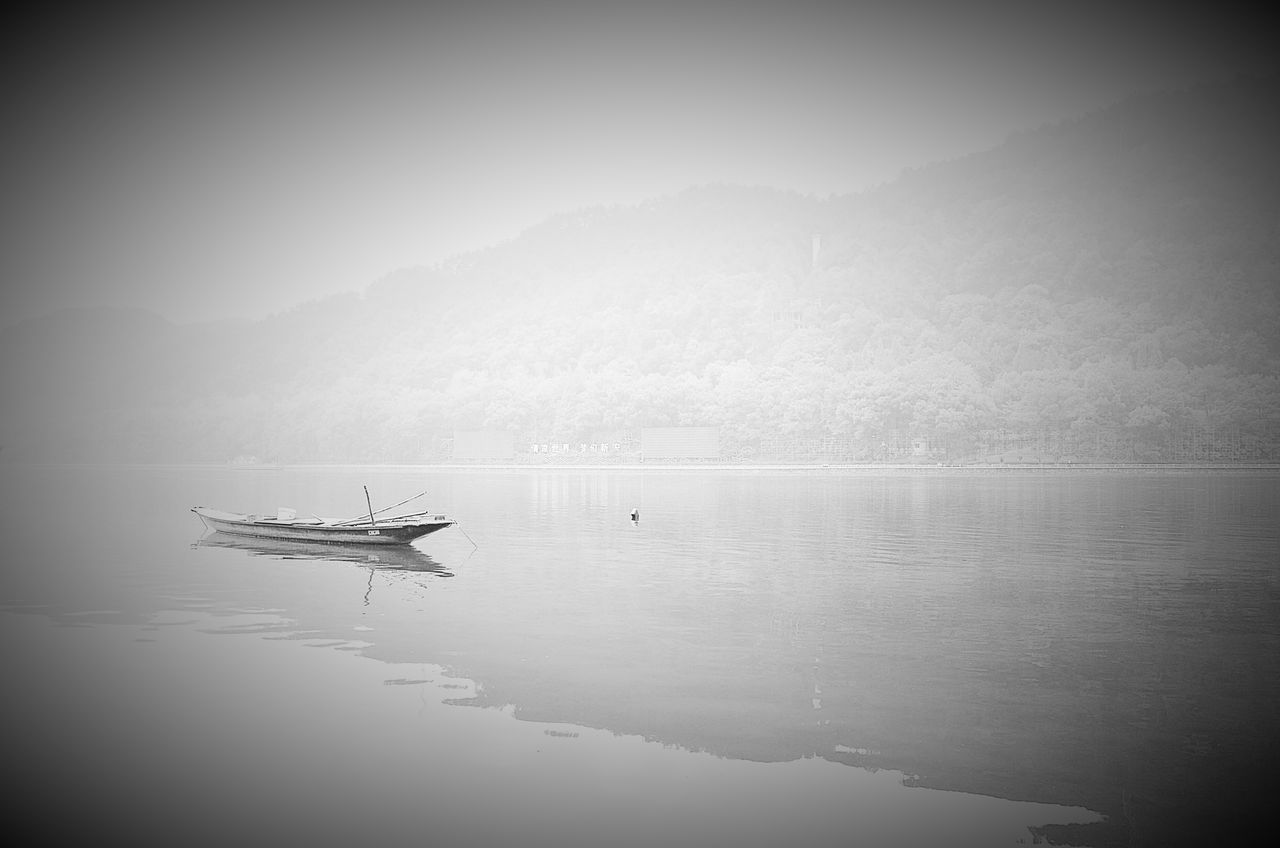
1104	288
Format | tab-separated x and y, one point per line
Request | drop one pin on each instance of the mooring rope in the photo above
464	533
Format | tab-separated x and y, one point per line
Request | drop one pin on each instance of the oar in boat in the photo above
361	518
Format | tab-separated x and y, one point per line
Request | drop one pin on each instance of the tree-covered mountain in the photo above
1101	289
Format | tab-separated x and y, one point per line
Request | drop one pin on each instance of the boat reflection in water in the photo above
400	557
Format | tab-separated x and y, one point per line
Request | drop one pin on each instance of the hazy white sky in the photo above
234	160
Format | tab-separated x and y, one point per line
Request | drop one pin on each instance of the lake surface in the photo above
765	657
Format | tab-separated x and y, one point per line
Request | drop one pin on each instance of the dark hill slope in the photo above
1168	198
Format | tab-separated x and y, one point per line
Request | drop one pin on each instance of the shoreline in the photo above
855	468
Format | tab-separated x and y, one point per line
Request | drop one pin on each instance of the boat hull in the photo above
381	533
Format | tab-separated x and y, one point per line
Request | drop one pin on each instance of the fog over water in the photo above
935	347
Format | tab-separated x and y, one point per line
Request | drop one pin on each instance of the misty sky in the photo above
237	159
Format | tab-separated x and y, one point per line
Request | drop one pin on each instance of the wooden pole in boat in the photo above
360	518
370	505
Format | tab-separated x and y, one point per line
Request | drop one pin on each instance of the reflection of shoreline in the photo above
401	557
527	768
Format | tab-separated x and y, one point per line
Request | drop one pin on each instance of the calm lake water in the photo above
804	658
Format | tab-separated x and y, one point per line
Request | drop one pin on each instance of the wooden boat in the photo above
365	530
400	530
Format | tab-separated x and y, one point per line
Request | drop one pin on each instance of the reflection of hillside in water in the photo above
401	557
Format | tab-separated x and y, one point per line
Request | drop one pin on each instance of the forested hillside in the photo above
1102	289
